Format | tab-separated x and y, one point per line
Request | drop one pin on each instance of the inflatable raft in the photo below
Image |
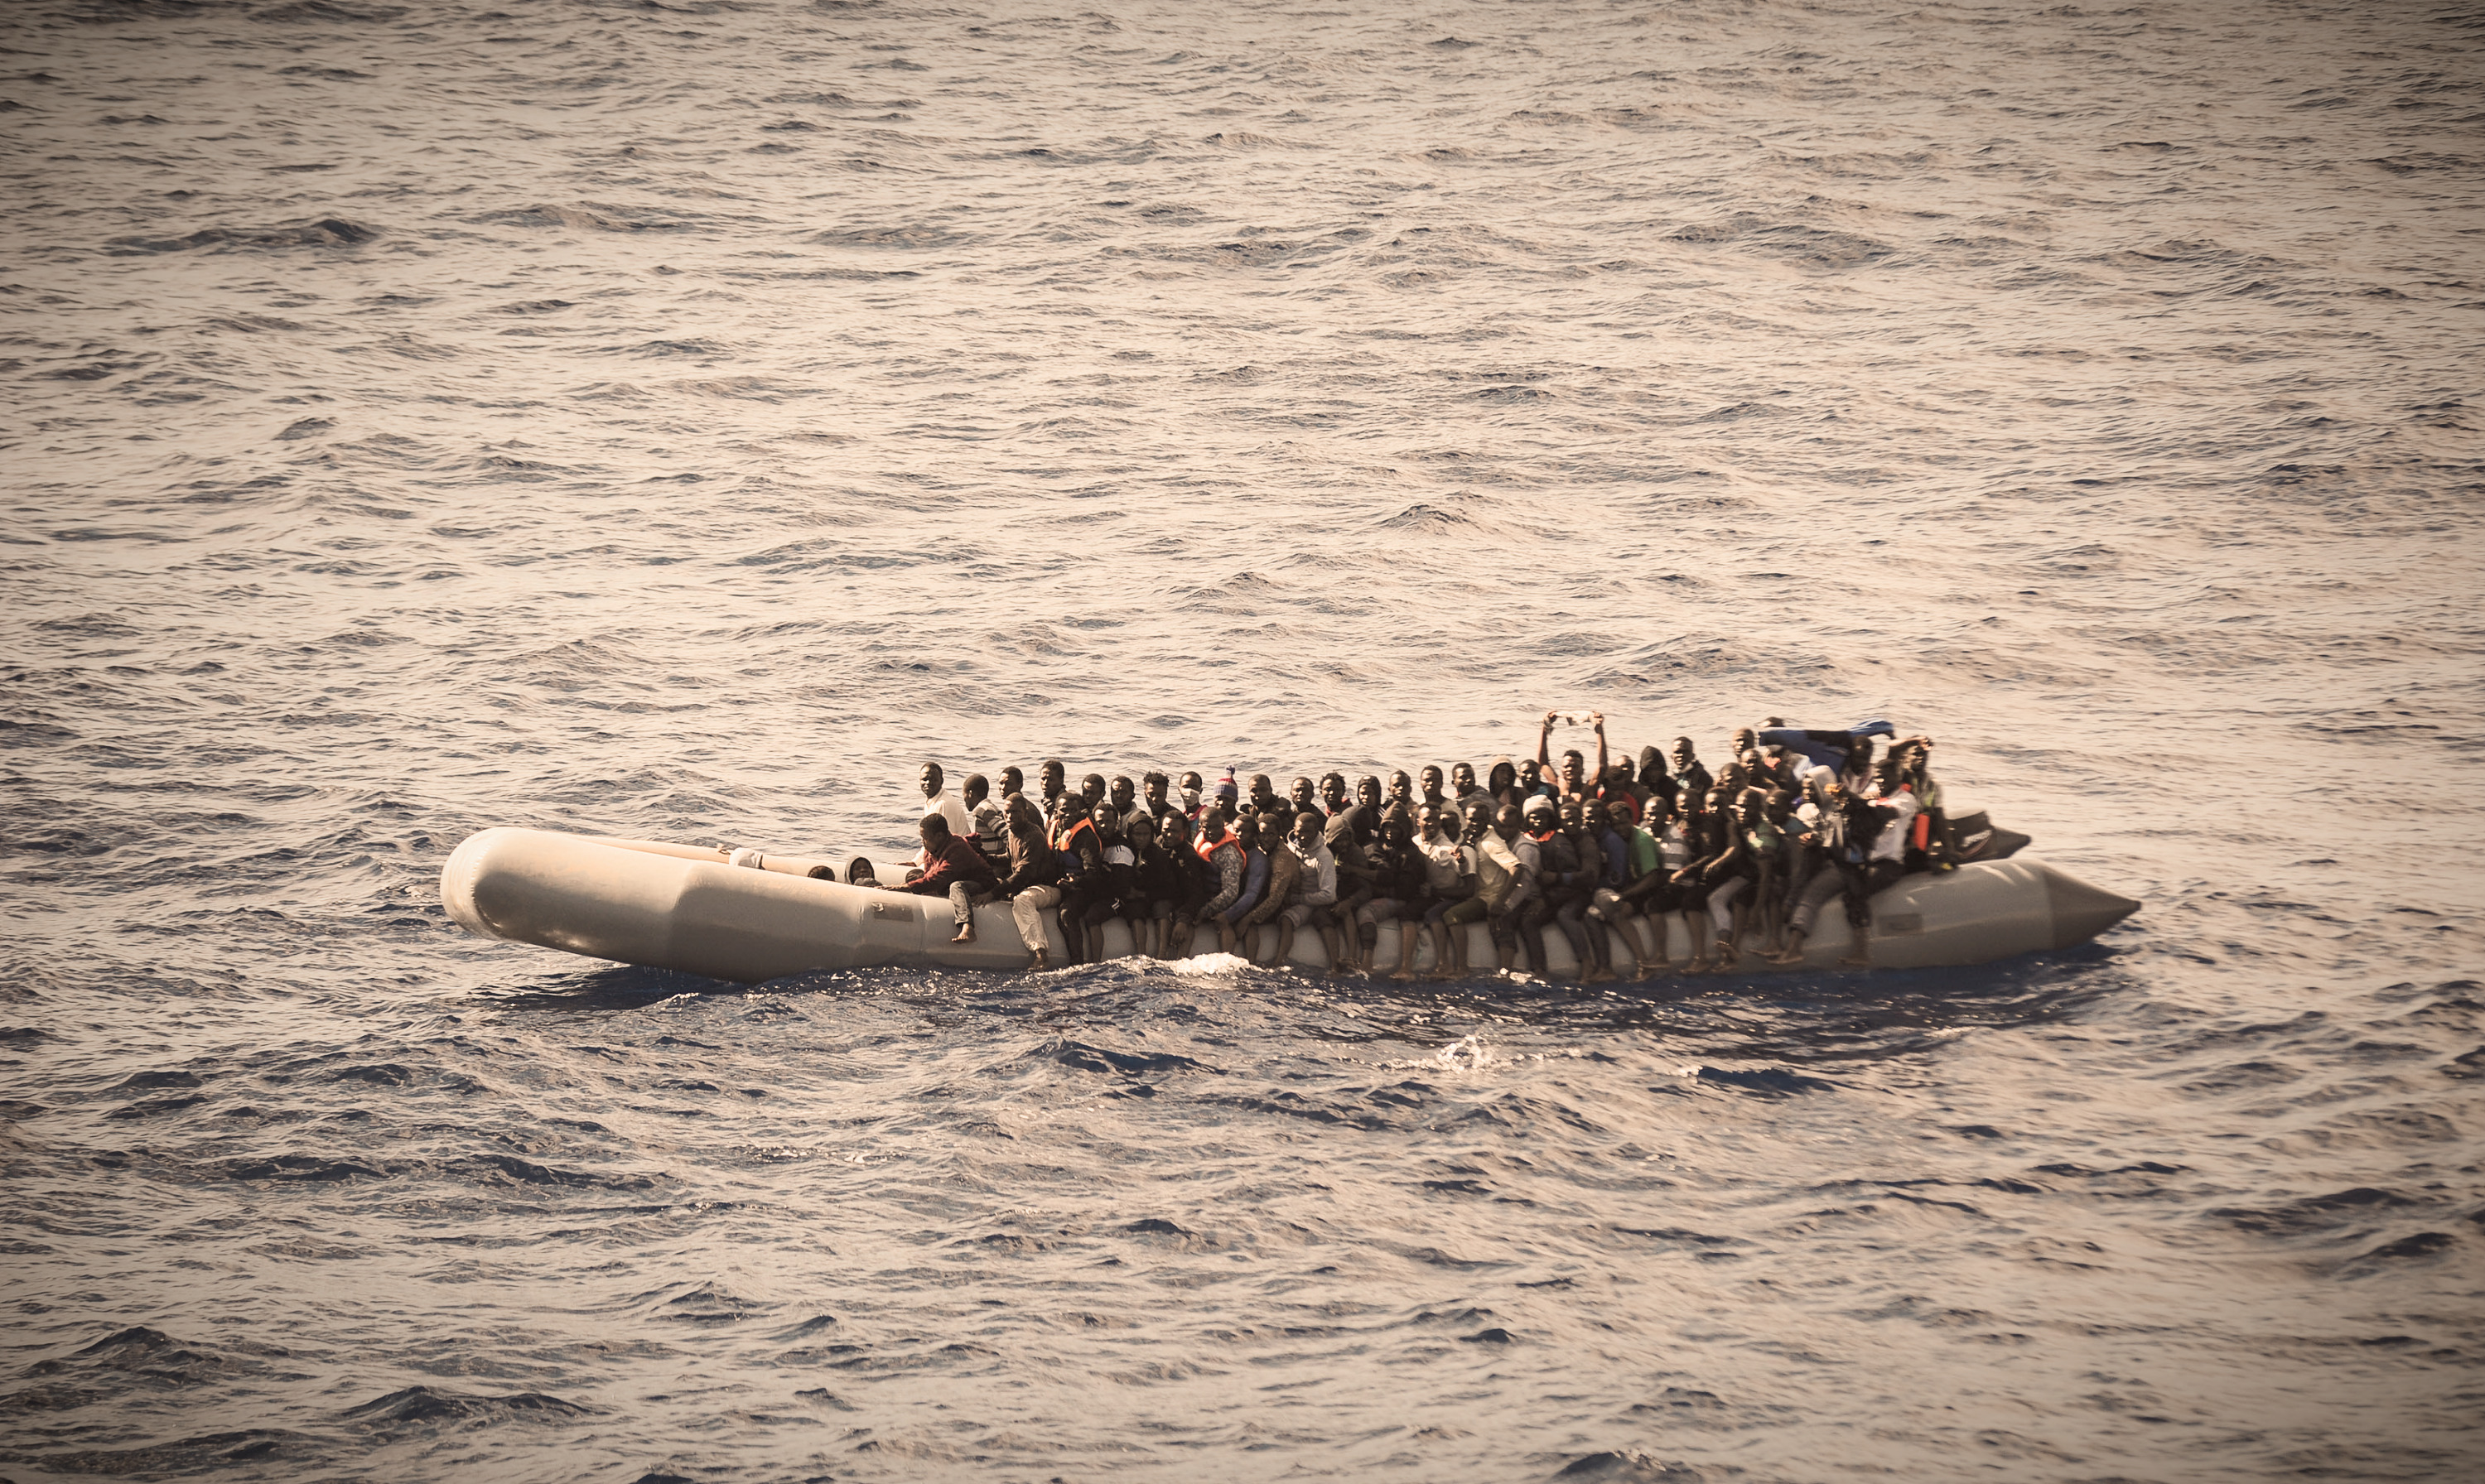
751	918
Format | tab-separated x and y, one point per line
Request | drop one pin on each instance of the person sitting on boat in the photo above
992	823
1254	844
1300	798
1691	779
1428	790
1013	783
1397	891
1152	803
1532	783
1314	898
1352	839
1551	869
1118	892
858	873
1823	746
1263	797
1400	795
1934	843
1220	850
1655	783
1467	794
1049	783
1032	882
1507	864
1634	885
1124	796
1160	881
1192	787
1285	868
1447	883
953	869
1082	871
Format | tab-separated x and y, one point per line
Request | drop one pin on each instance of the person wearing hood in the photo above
1656	782
1501	784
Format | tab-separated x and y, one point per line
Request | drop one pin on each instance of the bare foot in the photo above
965	934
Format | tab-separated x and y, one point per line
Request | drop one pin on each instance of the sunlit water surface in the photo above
679	421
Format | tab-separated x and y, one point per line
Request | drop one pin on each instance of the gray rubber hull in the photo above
675	906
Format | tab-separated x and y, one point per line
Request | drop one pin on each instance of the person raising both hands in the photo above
1573	781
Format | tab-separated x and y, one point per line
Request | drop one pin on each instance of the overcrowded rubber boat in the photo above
748	917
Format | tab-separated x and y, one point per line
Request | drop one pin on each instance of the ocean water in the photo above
680	420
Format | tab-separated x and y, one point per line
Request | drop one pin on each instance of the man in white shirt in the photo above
937	800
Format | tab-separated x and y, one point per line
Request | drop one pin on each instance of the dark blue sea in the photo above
680	420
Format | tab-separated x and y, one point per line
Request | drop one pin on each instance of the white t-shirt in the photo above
1893	842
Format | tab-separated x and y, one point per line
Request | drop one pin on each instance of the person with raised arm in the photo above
1572	780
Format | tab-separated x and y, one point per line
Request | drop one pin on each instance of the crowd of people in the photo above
1750	855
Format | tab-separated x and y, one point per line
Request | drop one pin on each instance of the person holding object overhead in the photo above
1573	780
